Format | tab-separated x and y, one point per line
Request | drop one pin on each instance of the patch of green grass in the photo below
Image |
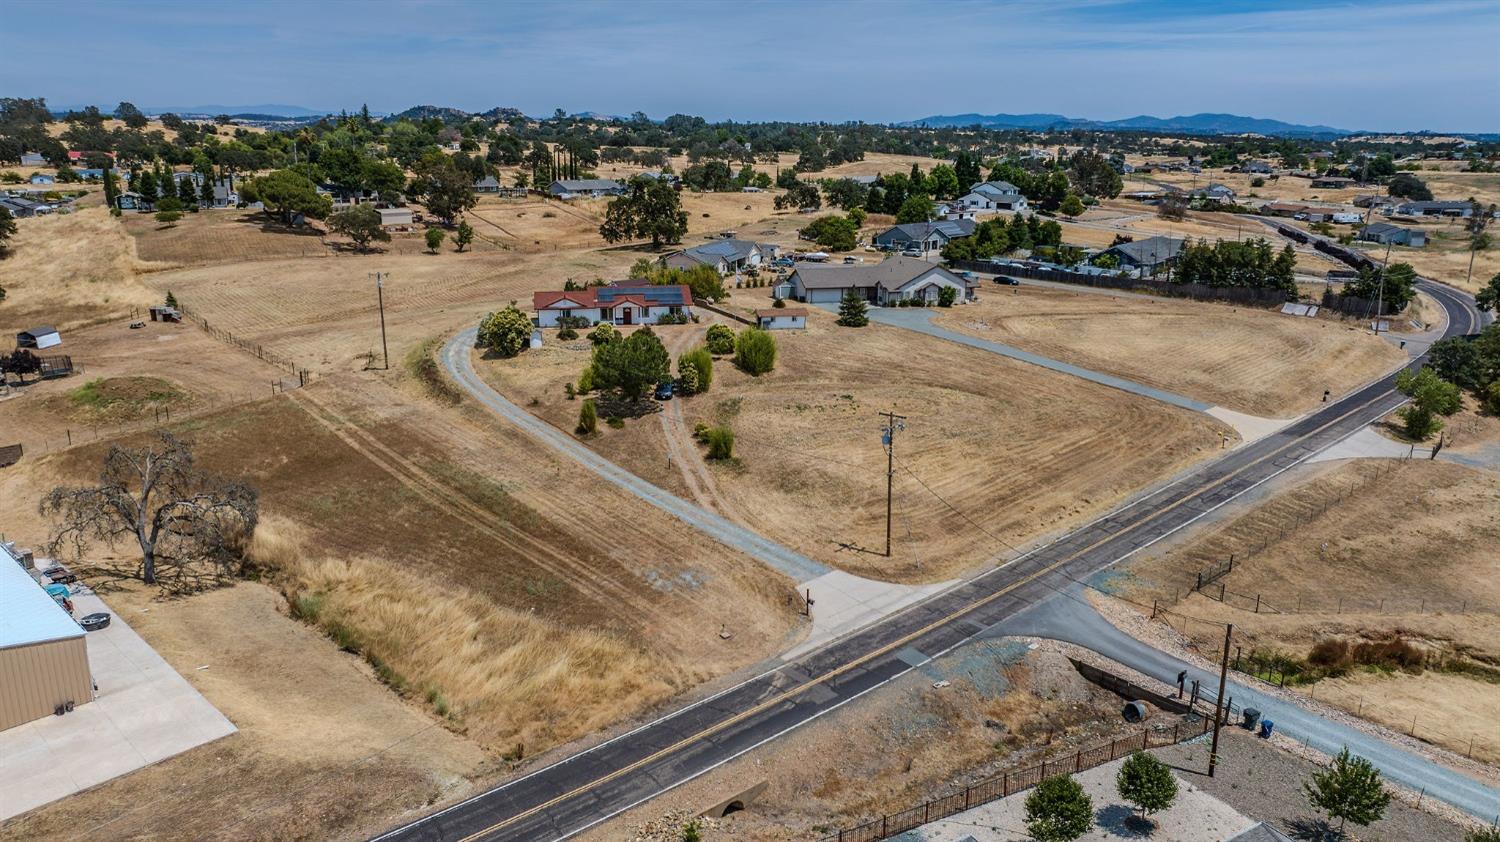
421	364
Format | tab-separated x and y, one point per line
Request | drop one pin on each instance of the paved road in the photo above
578	792
1074	621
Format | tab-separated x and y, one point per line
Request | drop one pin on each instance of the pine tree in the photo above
853	312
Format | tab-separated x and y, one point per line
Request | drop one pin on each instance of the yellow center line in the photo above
866	658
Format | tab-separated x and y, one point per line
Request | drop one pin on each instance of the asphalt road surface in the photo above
576	793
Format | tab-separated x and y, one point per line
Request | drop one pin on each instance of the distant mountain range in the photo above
288	111
1191	124
447	114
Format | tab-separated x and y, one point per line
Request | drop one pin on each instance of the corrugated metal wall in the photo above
35	679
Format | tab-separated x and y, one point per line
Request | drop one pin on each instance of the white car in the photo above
912	252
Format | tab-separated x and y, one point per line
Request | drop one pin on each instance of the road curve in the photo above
578	792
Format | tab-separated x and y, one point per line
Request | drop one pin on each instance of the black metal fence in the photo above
1255	296
1012	782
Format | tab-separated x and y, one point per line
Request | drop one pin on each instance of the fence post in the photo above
1176	726
1078	761
1200	581
1221	591
1257	603
1005	783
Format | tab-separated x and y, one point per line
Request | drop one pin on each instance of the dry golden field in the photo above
72	270
1359	550
1246	359
1002	442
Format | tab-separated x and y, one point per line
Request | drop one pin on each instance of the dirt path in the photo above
439	495
682	449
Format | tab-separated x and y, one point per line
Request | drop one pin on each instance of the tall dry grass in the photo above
511	679
72	270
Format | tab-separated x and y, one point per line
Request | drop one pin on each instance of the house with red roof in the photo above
620	303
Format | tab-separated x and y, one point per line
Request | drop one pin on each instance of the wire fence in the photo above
1281	670
227	336
1018	780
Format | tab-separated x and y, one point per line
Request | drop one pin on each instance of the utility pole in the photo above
1380	295
380	299
893	423
1220	714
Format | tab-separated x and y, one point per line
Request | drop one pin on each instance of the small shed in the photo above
44	661
162	313
42	336
783	318
390	217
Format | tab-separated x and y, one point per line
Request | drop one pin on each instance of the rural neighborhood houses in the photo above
926	236
1214	193
592	188
886	282
488	184
726	256
33	159
1385	233
1333	182
620	303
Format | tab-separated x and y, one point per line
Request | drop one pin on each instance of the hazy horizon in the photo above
1327	63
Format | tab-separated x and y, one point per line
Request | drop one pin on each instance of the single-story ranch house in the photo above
885	282
1435	208
1385	233
586	187
1147	254
726	256
927	236
620	303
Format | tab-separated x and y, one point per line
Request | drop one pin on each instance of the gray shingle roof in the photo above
889	274
576	185
726	249
916	232
1148	251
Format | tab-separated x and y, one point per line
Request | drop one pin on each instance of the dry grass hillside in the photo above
1363	552
449	554
71	270
1247	359
995	452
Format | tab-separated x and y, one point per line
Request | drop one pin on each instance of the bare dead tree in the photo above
182	518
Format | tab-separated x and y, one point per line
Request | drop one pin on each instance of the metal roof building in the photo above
44	661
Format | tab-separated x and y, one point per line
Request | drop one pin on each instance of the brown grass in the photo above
1408	553
507	675
1247	359
71	270
1003	442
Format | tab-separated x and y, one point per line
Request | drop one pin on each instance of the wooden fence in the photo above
1019	780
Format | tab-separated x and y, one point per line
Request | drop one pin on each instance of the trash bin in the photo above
1265	728
1252	716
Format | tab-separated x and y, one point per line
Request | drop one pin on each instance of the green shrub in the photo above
703	362
755	351
505	332
720	340
602	333
586	380
687	379
588	419
568	390
567	334
615	421
946	296
720	443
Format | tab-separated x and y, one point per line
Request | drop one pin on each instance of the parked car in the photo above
912	252
664	391
852	259
784	261
1006	280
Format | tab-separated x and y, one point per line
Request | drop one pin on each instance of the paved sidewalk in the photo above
1365	444
144	712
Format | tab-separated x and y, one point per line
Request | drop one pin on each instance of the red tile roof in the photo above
676	295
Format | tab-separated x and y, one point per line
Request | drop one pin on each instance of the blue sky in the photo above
1423	64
